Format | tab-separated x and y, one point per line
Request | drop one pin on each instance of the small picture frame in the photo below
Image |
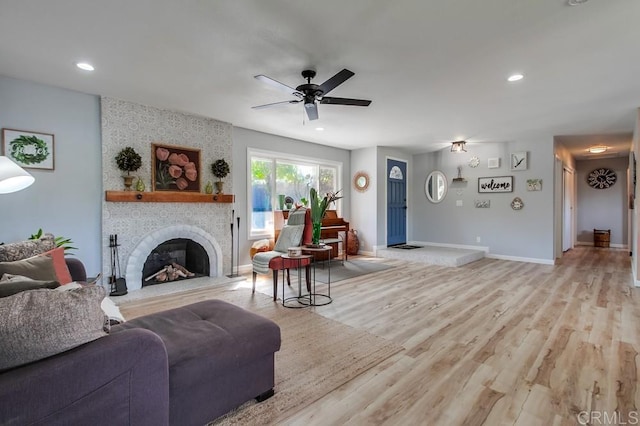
482	204
495	184
175	168
519	161
534	184
493	163
28	149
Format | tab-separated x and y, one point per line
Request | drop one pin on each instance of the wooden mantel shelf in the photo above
167	197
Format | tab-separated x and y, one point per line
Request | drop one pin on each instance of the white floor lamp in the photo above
13	177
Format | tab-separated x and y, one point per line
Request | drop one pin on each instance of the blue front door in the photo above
396	202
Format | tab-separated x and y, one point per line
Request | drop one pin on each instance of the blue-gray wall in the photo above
67	200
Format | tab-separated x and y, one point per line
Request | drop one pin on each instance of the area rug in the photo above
317	354
350	269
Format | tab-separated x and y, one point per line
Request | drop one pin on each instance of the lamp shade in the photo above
13	177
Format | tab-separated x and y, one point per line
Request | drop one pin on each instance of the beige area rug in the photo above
317	354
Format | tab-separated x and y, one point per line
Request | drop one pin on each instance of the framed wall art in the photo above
495	184
31	150
519	160
175	168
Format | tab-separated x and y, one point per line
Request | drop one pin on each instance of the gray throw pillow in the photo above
36	268
40	323
290	236
13	286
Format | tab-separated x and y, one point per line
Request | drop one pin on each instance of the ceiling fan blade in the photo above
336	80
276	84
276	104
345	101
312	111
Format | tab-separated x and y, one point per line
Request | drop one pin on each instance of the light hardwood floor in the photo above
490	343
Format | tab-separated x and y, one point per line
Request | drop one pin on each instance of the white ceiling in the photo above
435	69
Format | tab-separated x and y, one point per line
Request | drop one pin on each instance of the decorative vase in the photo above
140	185
353	244
316	230
128	182
219	184
281	201
208	189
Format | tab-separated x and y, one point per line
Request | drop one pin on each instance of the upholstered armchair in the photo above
297	231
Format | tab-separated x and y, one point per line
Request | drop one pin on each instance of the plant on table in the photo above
319	209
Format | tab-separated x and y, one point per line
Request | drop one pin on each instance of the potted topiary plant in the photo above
220	169
128	160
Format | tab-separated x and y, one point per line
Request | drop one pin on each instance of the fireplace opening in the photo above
175	259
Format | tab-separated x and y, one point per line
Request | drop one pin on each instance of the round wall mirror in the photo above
361	181
435	187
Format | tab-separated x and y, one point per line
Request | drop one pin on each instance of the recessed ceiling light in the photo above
85	66
576	2
320	129
515	77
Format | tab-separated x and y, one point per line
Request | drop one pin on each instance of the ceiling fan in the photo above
312	94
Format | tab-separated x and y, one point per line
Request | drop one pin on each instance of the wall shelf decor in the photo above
534	184
167	197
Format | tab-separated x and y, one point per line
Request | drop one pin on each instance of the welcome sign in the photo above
495	184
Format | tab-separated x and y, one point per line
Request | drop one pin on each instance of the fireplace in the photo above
173	260
174	242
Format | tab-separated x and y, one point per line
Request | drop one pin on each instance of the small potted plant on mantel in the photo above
128	160
220	169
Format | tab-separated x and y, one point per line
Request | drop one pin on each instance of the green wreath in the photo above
19	144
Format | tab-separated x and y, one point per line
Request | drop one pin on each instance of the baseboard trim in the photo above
520	259
590	244
458	246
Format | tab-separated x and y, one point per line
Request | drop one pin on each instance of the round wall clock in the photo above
474	161
602	178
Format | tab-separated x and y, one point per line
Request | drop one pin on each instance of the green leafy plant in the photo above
63	242
128	160
220	169
319	206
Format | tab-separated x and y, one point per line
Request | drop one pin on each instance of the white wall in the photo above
363	216
65	201
602	208
526	234
244	139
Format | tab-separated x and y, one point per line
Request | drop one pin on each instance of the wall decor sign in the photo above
175	168
31	150
493	163
534	184
495	184
519	160
482	204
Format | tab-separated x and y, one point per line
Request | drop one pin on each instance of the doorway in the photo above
568	201
396	202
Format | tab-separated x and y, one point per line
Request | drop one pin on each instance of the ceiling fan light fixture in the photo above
598	149
458	146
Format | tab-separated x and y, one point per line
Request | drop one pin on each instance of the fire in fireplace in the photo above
175	259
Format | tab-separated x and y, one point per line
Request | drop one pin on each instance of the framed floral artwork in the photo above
175	168
31	150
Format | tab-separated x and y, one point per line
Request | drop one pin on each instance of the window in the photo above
276	176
